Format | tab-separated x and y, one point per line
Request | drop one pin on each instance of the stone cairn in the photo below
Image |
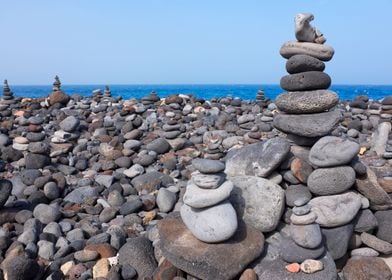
107	92
261	99
323	204
206	210
58	96
8	95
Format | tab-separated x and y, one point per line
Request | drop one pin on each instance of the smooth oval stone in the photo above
297	193
365	252
214	224
306	102
333	180
208	181
200	198
320	51
208	166
307	236
336	210
311	80
304	63
291	252
311	125
333	151
247	195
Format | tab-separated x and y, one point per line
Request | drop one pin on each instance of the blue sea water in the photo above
246	92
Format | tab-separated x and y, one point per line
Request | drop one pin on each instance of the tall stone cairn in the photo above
323	217
7	93
107	92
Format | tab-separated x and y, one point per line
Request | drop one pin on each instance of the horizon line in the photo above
189	84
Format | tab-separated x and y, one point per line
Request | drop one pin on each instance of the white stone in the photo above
197	197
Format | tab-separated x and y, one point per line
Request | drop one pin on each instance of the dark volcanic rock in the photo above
311	80
258	159
359	268
307	102
304	63
36	161
337	239
312	125
138	253
291	252
5	191
151	181
384	230
20	268
208	261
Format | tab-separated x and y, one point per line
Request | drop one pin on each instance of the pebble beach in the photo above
181	187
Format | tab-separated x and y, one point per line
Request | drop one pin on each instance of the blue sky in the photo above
186	41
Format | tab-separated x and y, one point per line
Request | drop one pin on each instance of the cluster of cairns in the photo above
98	187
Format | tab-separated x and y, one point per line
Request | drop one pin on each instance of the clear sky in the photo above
186	41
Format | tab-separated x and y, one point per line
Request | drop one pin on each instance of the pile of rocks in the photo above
58	96
206	211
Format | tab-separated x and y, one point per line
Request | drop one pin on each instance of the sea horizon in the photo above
205	91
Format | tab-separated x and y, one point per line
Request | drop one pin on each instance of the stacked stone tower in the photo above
8	95
206	211
327	205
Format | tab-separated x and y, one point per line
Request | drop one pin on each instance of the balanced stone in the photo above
307	236
311	80
214	224
199	198
307	102
336	210
333	151
333	180
259	159
304	31
208	181
208	166
246	196
304	63
291	252
322	52
310	125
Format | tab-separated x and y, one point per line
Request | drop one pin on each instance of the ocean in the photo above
245	92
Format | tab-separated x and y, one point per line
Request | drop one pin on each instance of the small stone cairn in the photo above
206	210
107	92
58	96
8	95
324	205
261	99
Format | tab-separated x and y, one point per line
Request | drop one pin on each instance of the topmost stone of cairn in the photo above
304	32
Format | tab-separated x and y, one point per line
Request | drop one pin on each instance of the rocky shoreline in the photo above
86	179
185	188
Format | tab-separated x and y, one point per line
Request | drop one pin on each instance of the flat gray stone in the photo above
259	159
319	51
336	210
308	125
333	151
200	198
208	181
208	166
259	202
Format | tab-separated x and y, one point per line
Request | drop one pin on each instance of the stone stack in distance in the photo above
307	103
206	211
8	95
